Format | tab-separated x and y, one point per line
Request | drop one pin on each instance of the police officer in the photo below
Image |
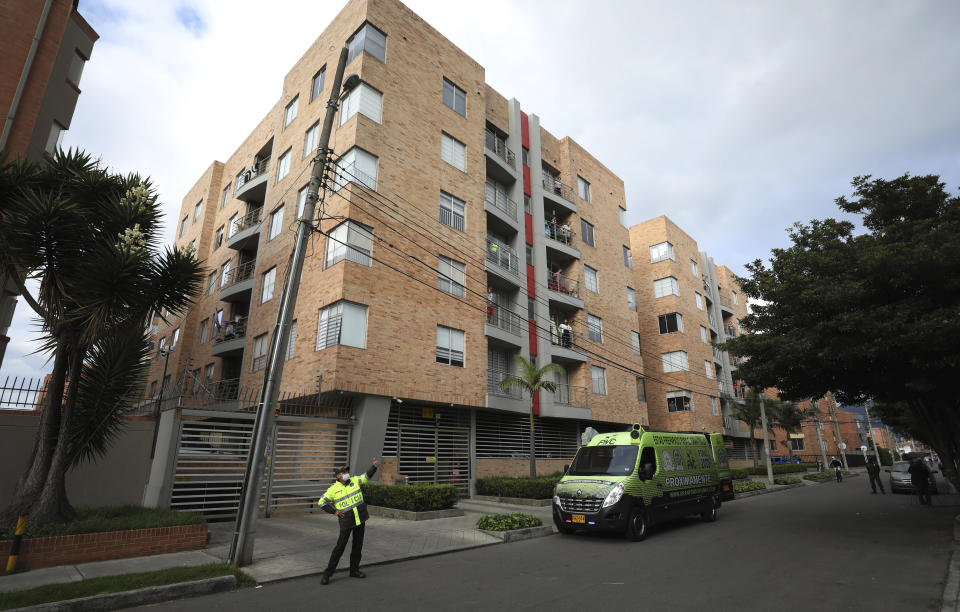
345	499
873	470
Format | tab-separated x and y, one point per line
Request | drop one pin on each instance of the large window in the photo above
635	341
317	85
453	151
659	252
362	99
599	376
369	39
310	139
665	286
225	273
631	299
259	360
595	327
290	113
679	401
283	165
586	232
675	361
342	323
450	344
591	280
276	223
356	166
452	276
452	211
454	97
583	188
350	241
269	280
670	323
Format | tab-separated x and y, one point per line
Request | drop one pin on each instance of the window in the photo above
665	286
350	241
635	341
659	252
714	406
369	39
734	297
208	374
586	232
204	328
291	340
670	323
583	188
694	269
163	343
453	152
175	338
627	257
76	68
291	111
595	327
192	246
797	444
450	346
232	225
599	376
675	361
452	211
302	201
641	390
631	299
679	401
259	360
362	99
55	138
283	165
453	275
590	277
211	282
699	300
183	226
709	368
276	223
197	210
356	166
454	97
317	85
623	216
218	318
703	335
226	196
218	238
310	139
153	388
269	280
342	323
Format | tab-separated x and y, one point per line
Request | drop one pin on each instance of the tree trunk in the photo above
533	451
34	475
756	449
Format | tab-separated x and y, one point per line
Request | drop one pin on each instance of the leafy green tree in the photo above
789	417
747	410
867	313
532	379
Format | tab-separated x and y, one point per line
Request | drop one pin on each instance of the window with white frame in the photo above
351	241
452	211
670	323
635	341
694	268
291	111
679	401
453	151
599	376
709	368
310	139
276	223
163	343
232	225
269	280
631	299
591	279
595	327
226	196
454	97
586	233
623	216
208	373
699	300
627	257
734	297
660	252
714	406
197	210
452	276
302	201
259	357
218	238
641	389
211	282
225	273
356	166
703	335
450	344
291	340
675	361
369	39
316	86
176	338
342	323
183	226
583	189
362	99
204	328
283	165
665	286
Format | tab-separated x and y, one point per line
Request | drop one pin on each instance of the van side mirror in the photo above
566	467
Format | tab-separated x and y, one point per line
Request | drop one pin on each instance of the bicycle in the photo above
839	474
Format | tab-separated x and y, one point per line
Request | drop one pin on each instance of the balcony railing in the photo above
494	378
502	202
499	146
503	256
508	321
731	331
713	322
239	274
248	220
725	301
231	330
559	232
552	184
253	172
566	338
570	395
452	219
718	354
563	284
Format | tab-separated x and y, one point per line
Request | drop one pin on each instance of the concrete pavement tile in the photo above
39	577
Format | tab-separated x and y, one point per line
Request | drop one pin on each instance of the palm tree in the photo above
90	238
532	380
789	417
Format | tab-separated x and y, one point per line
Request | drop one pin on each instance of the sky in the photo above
735	119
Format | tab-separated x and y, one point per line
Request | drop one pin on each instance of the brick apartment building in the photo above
43	48
457	234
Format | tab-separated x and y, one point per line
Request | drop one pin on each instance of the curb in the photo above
139	597
515	501
409	515
765	491
516	535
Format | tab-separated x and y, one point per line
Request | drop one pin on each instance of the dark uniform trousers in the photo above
355	550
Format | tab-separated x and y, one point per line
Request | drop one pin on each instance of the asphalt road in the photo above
825	547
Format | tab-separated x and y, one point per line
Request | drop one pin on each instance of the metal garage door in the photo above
433	445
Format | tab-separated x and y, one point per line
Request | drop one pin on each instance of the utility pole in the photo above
866	407
156	411
840	443
241	547
816	419
766	443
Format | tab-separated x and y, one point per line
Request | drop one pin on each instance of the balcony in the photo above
717	355
497	203
570	395
561	240
725	304
237	284
501	162
494	378
252	183
244	233
713	323
558	191
566	345
504	327
502	260
564	289
230	338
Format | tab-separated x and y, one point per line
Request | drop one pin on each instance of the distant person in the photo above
566	334
837	468
920	477
873	470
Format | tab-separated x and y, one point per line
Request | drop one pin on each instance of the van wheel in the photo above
710	515
637	525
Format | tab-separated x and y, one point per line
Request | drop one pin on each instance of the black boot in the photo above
357	574
325	579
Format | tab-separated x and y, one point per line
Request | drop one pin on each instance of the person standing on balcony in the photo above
557	185
566	333
345	499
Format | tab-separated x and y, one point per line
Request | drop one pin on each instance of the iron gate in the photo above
433	445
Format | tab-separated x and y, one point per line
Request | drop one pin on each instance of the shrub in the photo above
781	468
748	485
111	518
739	473
505	522
416	498
817	476
785	480
505	486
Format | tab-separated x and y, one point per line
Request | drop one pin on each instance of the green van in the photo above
627	481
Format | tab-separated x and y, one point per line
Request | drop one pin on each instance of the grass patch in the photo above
117	584
506	522
785	480
818	476
743	486
110	518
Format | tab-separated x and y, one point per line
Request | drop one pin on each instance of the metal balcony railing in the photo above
230	330
494	378
502	202
566	338
560	232
258	168
731	331
502	255
508	321
563	284
718	354
499	146
713	322
248	220
570	395
239	274
552	184
452	219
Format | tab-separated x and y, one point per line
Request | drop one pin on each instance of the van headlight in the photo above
614	495
556	498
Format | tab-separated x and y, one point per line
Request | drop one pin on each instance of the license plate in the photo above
726	487
578	518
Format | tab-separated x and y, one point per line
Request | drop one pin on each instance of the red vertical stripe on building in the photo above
531	282
528	228
526	180
524	130
533	336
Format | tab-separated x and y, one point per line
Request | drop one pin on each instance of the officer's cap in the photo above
342	470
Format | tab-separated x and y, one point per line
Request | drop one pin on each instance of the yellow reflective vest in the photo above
347	498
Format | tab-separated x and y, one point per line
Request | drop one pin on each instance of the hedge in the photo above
505	486
416	498
110	518
780	468
739	473
748	485
785	480
505	522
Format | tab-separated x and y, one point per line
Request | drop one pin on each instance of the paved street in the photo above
826	547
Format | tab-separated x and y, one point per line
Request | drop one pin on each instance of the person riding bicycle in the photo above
837	467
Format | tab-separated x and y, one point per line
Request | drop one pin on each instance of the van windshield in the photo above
604	460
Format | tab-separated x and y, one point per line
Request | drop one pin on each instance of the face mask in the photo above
345	477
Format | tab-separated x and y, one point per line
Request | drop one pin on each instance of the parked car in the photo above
900	479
